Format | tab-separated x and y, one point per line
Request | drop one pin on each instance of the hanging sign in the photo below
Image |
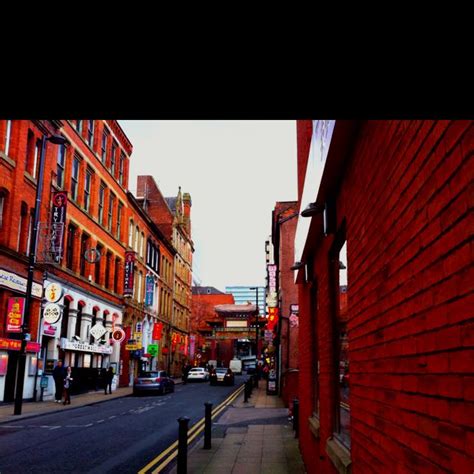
153	349
157	331
53	292
149	290
128	273
97	331
118	335
51	313
58	220
272	318
15	310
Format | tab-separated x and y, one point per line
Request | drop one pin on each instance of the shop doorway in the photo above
10	378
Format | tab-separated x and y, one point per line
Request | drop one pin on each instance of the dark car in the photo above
222	375
153	381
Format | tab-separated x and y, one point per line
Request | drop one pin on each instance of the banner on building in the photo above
15	311
149	290
138	338
272	318
58	223
157	331
129	273
272	297
192	345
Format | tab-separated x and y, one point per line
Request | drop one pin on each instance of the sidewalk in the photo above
33	409
253	437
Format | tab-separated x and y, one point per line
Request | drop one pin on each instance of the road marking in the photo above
113	416
78	426
100	421
10	426
54	428
138	411
192	433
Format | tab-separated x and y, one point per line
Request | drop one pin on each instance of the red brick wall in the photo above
407	197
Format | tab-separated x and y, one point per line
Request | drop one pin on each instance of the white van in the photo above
236	366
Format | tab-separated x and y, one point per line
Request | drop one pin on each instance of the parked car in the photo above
222	375
153	381
198	374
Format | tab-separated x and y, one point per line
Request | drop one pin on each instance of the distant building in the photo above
244	294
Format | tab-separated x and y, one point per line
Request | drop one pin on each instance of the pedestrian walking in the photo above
67	386
59	374
108	380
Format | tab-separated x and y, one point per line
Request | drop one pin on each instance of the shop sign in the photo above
18	283
272	318
53	292
192	345
118	335
98	331
15	345
128	273
149	290
51	313
138	336
15	311
157	331
153	349
130	347
85	347
58	222
49	329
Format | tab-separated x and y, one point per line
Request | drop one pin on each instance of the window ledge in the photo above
30	178
8	160
339	455
313	423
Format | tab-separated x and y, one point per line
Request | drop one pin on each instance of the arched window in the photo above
65	319
80	307
95	310
3	206
130	234
137	237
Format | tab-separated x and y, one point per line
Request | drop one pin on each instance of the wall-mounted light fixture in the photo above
312	209
297	266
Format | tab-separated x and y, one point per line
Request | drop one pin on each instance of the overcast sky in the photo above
235	171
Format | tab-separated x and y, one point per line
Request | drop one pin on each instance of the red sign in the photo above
15	345
157	330
128	274
16	308
58	220
165	350
272	318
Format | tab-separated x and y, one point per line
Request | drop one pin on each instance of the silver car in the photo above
153	381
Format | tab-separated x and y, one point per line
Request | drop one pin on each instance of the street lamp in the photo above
256	325
20	379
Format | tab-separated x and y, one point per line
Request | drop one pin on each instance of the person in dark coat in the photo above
59	374
108	380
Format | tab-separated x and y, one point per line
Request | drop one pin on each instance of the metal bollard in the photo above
246	393
183	445
207	425
296	417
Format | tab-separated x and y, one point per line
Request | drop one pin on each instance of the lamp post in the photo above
257	328
20	379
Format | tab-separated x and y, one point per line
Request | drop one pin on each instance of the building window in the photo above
65	317
139	289
3	206
137	238
8	136
97	264
121	167
90	133
116	274
22	228
108	261
101	202
142	245
105	136
77	331
342	428
71	233
87	189
36	157
111	211
74	177
30	151
113	157
148	252
130	234
119	221
84	246
61	164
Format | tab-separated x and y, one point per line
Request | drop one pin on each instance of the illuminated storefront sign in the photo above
15	310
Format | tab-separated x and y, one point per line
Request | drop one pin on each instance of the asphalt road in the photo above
120	436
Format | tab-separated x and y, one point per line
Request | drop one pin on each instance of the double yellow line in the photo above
172	451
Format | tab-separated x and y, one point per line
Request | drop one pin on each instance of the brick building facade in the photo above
385	296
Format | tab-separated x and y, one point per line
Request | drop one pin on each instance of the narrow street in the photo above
122	435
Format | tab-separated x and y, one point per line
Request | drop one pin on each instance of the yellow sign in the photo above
131	347
138	337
